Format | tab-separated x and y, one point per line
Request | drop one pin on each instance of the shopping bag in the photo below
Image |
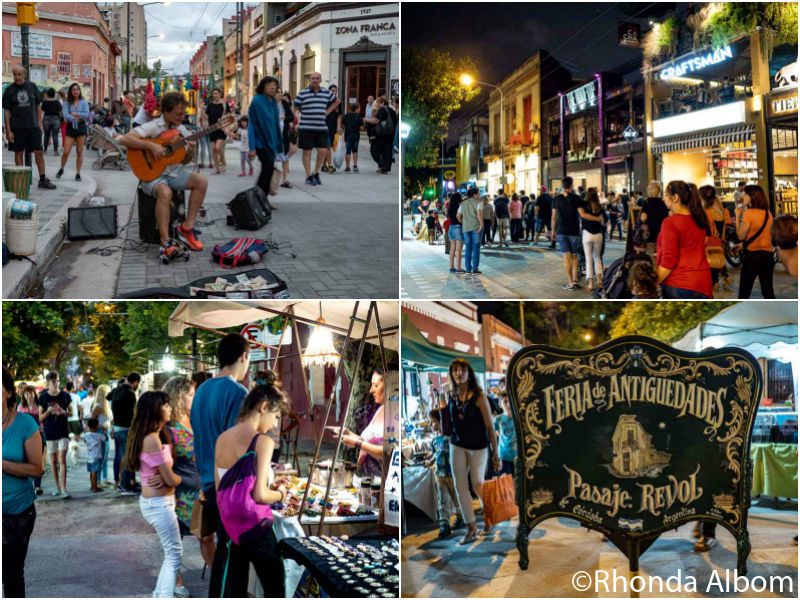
498	500
338	151
275	181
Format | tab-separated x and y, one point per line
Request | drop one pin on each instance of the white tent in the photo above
220	314
765	329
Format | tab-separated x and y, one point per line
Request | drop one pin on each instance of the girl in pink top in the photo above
149	452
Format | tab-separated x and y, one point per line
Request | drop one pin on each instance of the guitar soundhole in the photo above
169	151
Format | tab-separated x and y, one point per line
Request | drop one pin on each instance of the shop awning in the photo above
715	137
419	350
221	314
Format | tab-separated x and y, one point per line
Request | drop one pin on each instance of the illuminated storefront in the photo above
781	105
705	119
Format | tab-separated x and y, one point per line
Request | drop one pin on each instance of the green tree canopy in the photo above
431	93
665	321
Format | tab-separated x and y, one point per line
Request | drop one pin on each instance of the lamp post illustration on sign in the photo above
634	438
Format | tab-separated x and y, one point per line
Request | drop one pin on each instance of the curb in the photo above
20	275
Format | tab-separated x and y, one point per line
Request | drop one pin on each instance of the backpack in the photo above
244	519
251	209
239	252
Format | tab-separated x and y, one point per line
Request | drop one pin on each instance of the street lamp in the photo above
468	80
405	131
281	46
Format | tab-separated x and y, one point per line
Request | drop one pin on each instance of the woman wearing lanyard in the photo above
467	419
265	130
76	115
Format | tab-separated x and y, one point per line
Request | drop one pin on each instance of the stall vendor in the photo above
370	443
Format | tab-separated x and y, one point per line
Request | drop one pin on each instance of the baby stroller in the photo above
110	152
615	277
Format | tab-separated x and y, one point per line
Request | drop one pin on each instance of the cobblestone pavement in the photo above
338	240
521	271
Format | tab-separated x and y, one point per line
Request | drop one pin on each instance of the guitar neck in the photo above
203	132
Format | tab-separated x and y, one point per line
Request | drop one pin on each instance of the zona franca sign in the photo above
695	62
634	438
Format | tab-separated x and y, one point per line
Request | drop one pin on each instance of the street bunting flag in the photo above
634	438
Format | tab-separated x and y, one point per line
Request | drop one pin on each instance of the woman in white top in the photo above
369	443
101	410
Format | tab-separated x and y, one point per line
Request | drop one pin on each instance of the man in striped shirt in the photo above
312	105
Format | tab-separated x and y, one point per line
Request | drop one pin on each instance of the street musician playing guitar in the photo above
159	153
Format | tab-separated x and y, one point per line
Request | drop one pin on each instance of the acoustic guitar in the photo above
147	167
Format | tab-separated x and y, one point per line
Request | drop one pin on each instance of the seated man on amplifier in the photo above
178	177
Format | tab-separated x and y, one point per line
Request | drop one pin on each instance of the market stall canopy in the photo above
417	349
220	314
765	329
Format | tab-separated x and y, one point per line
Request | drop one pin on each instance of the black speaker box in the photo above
148	228
92	223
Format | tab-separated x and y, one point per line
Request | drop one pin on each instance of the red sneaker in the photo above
188	237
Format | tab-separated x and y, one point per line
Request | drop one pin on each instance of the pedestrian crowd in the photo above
177	441
679	240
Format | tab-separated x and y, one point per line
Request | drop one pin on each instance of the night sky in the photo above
501	36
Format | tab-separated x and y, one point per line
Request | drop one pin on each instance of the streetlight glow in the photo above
405	130
466	79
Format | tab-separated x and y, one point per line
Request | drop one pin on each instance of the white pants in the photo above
160	515
463	463
592	246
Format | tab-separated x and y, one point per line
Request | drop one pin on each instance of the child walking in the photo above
244	151
95	441
445	488
352	121
506	436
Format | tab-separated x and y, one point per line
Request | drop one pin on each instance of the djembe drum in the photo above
17	180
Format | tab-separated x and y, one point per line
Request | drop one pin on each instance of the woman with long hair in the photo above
455	234
265	130
260	410
384	138
180	390
754	226
718	218
76	114
28	406
52	110
682	266
148	451
288	136
101	410
591	214
467	419
215	110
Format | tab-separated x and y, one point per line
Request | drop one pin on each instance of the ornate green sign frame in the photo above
634	438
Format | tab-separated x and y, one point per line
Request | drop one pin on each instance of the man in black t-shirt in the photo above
502	215
22	114
334	122
123	403
567	230
544	213
53	414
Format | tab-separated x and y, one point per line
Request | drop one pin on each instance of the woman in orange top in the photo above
753	225
718	219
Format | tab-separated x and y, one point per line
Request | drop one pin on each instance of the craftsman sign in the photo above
634	438
696	62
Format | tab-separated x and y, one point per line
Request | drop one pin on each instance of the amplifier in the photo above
148	228
92	223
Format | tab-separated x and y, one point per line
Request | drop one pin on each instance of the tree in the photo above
576	325
40	336
665	321
431	93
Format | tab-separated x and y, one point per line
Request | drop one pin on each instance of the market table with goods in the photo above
352	508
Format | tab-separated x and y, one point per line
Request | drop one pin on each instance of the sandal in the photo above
286	184
468	537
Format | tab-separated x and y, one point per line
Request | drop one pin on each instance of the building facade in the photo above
720	116
70	43
135	37
354	45
473	143
515	120
500	342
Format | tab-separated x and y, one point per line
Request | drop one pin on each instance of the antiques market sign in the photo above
634	438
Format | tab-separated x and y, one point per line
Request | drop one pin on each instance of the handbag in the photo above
498	500
715	253
199	527
385	127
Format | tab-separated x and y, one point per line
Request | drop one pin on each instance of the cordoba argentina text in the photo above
573	401
653	498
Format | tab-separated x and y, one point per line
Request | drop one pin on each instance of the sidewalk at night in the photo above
521	271
330	229
559	548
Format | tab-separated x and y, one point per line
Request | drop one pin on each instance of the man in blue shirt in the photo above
215	408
